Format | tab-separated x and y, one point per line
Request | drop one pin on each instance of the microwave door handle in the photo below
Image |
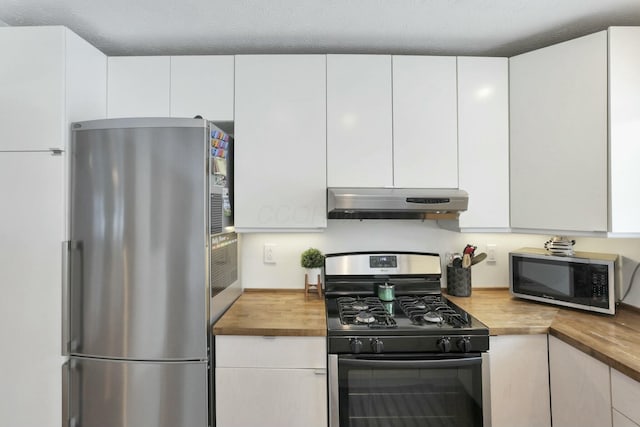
412	364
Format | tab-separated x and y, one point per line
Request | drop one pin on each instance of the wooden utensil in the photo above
478	258
466	260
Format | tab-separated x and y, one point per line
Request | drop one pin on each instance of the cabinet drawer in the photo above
625	395
270	352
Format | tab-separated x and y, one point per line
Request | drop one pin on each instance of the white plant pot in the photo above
313	275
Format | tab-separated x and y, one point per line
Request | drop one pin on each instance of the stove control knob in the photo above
464	344
356	345
445	344
377	346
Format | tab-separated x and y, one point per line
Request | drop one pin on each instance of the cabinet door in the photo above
138	86
624	104
359	117
271	397
425	137
483	140
31	87
202	85
580	387
31	232
86	82
625	395
280	142
620	420
559	136
519	396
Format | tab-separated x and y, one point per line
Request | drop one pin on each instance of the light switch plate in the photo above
491	253
269	254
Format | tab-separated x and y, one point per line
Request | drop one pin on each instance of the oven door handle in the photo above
412	364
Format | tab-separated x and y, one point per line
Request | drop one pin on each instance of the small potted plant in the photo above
312	260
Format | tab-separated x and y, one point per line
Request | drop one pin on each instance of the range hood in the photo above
395	203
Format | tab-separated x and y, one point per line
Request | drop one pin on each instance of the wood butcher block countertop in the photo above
614	340
274	313
505	315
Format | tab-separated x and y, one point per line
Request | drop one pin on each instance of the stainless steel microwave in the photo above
584	280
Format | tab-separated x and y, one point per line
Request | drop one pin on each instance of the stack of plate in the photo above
560	245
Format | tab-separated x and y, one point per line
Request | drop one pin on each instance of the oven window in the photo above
410	392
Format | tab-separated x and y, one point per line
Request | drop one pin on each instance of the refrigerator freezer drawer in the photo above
107	393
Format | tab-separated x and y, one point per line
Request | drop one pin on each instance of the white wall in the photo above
349	235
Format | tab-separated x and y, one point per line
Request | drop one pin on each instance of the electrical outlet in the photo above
491	253
269	254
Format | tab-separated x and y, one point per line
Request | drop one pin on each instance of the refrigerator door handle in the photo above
69	397
66	248
72	275
65	394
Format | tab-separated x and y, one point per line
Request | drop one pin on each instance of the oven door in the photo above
408	390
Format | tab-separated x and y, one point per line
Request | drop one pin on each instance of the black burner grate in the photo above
367	311
421	308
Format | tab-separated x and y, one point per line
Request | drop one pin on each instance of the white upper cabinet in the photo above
50	77
558	112
34	62
624	104
425	140
483	141
359	121
139	86
202	85
280	142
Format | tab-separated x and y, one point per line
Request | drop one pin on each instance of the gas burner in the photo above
360	306
433	317
368	311
431	309
365	317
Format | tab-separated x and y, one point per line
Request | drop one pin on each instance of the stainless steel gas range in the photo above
400	353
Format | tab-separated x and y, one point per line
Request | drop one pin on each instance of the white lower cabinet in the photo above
271	397
270	381
580	387
519	381
619	420
625	397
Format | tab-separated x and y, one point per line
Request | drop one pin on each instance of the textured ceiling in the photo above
449	27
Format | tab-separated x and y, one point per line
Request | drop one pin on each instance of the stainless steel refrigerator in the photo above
151	263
